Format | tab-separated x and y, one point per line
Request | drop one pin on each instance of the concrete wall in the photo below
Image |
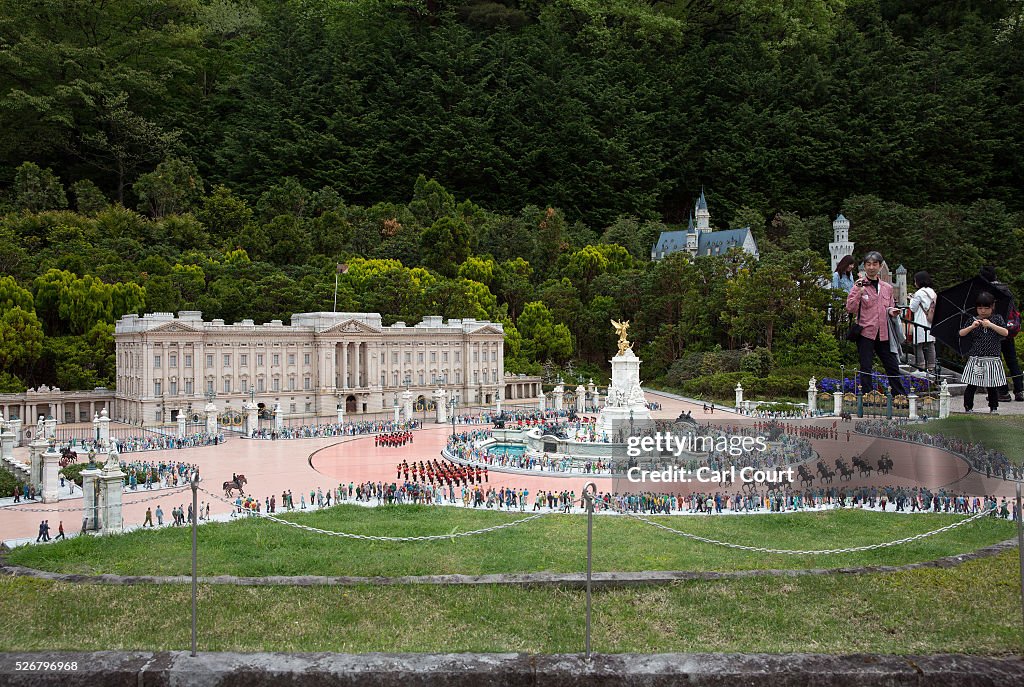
138	669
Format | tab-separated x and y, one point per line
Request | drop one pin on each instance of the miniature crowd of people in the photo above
149	442
990	461
335	429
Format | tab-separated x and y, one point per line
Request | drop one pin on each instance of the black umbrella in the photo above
954	310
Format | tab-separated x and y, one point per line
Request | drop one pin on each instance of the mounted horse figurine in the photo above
236	484
67	457
862	465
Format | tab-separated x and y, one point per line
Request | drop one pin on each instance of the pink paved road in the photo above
305	464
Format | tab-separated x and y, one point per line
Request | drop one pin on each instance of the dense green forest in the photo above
512	160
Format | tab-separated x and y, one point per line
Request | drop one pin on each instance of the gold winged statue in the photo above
621	328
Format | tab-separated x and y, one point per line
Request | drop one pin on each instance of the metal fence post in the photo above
195	586
888	403
589	491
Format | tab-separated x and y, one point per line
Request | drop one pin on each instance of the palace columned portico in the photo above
168	365
63	406
523	387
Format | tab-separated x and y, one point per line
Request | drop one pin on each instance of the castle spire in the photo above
703	216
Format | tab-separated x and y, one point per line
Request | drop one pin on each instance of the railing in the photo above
67	435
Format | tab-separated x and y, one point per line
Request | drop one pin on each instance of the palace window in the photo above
156	361
188	360
172	360
244	360
174	387
291	358
227	386
188	387
209	360
227	360
277	359
156	388
259	360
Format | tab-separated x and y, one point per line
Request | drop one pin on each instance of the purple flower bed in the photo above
881	383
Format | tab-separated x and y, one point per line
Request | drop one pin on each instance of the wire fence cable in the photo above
819	552
369	537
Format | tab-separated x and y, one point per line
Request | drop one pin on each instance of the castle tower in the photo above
900	286
701	211
841	245
691	238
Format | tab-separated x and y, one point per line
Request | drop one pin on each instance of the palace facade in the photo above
171	365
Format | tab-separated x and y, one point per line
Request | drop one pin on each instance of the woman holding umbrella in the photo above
871	301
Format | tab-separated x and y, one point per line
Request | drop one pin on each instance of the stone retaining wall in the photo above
144	669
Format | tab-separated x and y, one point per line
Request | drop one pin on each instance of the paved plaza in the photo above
302	465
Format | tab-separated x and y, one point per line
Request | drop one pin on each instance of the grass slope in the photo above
1000	432
972	608
557	543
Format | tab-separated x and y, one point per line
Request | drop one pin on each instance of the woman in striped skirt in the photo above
985	365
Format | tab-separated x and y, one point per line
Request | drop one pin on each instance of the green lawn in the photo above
1003	433
557	543
972	608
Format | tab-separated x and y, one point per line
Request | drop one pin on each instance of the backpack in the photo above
930	312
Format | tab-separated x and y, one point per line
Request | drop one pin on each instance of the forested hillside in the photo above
512	160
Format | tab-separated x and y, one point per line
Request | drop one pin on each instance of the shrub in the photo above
758	362
8	482
73	472
723	385
684	369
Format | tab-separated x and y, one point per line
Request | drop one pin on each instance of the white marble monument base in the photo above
613	418
625	399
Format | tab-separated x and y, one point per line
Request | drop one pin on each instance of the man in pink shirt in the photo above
872	298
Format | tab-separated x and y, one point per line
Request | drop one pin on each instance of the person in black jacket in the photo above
1009	349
